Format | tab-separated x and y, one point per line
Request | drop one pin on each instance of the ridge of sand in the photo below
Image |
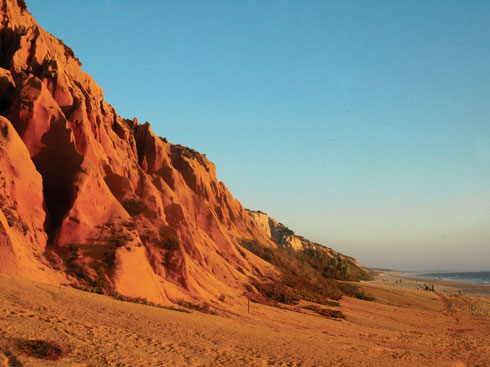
403	327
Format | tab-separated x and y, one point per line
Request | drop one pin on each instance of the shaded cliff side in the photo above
91	199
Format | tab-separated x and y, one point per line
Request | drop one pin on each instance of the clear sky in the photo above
362	125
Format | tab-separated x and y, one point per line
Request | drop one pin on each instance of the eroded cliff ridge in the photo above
330	263
91	199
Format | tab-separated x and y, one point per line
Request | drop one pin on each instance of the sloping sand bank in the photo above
402	328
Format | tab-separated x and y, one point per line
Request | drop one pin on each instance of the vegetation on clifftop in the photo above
305	275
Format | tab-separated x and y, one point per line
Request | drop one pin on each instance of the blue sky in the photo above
363	125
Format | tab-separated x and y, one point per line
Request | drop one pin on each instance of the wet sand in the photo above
403	327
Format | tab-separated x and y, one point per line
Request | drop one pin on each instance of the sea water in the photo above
479	277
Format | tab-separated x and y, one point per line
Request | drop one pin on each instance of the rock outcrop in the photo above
336	266
94	199
98	201
22	236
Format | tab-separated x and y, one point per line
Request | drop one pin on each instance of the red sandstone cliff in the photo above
89	197
96	200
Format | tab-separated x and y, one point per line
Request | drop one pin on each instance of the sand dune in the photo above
402	328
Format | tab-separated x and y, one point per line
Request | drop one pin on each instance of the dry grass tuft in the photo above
204	308
327	312
41	349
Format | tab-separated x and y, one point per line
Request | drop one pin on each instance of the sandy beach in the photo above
403	327
411	281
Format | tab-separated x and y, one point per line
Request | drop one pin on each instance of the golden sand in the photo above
403	327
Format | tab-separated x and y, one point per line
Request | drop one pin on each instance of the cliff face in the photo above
90	198
331	263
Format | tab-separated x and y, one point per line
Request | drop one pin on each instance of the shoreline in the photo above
406	280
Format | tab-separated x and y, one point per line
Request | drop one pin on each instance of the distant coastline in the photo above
476	277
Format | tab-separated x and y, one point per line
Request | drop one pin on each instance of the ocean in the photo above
478	277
